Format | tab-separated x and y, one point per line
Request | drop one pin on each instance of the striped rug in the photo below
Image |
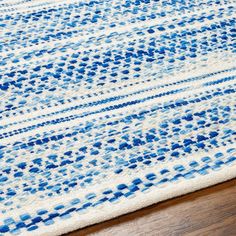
108	106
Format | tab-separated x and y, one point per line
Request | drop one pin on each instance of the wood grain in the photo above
207	212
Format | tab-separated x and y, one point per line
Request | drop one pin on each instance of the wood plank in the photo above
210	211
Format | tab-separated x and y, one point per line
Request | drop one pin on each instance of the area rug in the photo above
108	106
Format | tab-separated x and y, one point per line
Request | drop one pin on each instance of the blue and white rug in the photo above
108	106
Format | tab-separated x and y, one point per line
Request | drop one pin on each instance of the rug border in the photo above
140	201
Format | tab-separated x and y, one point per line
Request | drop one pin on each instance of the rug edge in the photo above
137	203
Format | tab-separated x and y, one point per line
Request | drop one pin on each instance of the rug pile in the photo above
108	106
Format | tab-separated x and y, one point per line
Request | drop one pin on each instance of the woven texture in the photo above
107	106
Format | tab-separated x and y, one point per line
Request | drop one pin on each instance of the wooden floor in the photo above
208	212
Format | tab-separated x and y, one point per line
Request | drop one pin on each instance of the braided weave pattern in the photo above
109	106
